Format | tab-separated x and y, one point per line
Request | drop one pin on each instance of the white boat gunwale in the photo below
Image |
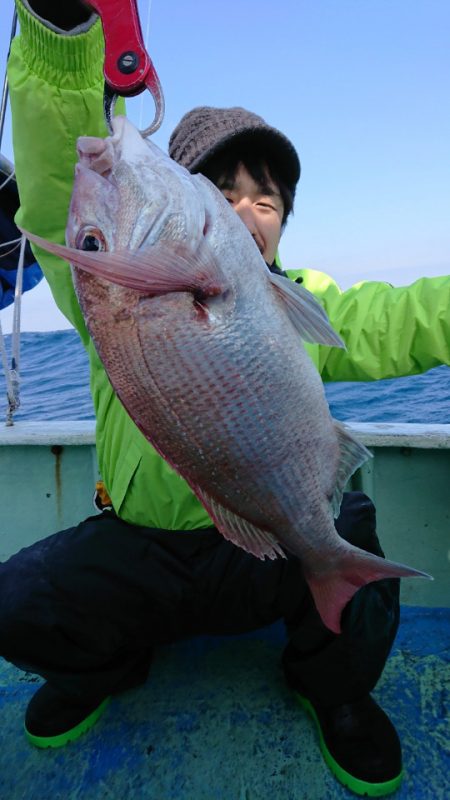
82	432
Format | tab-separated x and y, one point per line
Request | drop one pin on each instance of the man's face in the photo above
259	207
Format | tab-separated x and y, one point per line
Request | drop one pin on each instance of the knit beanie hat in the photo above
205	131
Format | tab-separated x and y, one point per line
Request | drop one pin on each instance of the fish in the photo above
203	346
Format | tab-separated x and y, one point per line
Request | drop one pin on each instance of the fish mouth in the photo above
83	171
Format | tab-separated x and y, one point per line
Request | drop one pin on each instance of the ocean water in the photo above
55	386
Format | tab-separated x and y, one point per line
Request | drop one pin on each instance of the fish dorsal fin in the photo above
306	314
352	455
240	531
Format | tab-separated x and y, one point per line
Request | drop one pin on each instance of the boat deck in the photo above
215	721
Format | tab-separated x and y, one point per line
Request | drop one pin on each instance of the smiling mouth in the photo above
258	245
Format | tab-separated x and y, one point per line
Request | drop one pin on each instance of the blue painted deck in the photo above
215	721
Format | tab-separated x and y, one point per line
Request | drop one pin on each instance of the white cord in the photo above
12	375
12	241
8	252
8	179
146	38
18	306
8	379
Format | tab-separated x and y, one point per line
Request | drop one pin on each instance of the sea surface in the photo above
55	386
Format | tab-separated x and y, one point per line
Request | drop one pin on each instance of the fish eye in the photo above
91	239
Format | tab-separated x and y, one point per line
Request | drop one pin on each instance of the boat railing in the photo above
48	472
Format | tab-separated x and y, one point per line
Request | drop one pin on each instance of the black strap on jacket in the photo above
277	271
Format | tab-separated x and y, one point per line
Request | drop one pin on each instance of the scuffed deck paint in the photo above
215	721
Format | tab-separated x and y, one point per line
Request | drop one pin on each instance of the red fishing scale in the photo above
128	68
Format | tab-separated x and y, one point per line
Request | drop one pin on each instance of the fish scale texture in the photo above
216	378
217	399
215	721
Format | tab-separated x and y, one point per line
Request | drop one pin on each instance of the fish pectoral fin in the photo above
306	314
333	589
166	267
352	455
240	531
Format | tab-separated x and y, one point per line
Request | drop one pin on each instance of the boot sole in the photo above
72	734
356	785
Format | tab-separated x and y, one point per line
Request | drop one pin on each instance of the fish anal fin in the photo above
241	532
305	312
352	455
333	589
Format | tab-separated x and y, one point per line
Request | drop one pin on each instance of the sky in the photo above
362	89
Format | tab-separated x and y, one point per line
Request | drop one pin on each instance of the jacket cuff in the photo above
74	18
68	60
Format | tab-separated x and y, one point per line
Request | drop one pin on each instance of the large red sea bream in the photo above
203	346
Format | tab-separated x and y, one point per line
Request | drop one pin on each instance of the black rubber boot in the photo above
360	745
52	719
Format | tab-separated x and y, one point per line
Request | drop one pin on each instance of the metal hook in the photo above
152	83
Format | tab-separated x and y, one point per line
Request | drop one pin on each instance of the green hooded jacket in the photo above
56	86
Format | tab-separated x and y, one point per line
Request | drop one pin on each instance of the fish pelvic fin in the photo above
305	312
239	531
352	455
332	590
166	267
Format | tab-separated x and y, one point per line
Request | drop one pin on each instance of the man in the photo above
84	607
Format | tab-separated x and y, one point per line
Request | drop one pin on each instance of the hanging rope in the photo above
12	373
146	40
15	242
8	179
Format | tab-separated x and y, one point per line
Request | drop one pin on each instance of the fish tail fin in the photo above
333	589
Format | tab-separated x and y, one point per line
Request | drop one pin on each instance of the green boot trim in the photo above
355	785
72	734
